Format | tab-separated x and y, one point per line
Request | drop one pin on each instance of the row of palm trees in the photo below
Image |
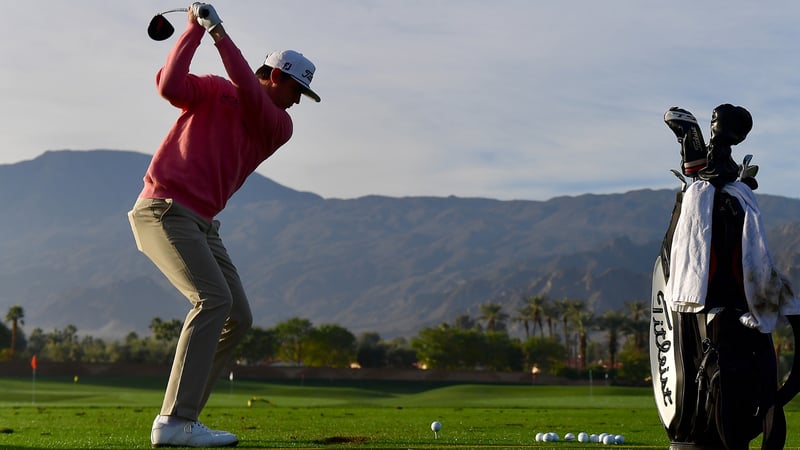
567	321
537	315
575	320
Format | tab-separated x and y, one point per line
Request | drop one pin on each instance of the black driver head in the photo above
160	28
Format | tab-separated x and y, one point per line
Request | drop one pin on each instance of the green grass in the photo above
117	412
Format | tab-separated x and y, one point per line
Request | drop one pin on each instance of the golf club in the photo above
746	170
160	29
680	177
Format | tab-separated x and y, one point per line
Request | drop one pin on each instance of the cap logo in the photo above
295	65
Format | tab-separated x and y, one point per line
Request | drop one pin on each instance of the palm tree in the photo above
550	312
639	323
612	322
523	316
571	312
494	316
537	305
564	308
582	318
15	315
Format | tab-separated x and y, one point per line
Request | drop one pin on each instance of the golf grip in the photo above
203	13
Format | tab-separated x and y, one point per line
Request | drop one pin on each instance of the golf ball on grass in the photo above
435	427
609	439
620	439
583	437
569	437
539	437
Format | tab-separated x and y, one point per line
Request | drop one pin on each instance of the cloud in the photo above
509	99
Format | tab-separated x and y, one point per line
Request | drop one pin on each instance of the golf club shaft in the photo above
174	10
202	13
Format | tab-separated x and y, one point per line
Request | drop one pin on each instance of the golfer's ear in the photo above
275	76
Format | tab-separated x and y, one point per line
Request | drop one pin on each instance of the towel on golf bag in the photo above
769	294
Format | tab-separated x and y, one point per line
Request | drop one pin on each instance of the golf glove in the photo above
207	16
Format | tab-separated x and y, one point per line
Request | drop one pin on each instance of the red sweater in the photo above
225	129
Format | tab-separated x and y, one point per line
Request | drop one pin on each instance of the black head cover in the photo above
160	28
730	124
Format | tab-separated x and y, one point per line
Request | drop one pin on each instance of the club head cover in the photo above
693	147
730	125
160	29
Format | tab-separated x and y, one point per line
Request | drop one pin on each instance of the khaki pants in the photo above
189	252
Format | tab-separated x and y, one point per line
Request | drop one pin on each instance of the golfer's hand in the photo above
206	15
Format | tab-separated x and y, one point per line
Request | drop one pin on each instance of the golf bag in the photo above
715	380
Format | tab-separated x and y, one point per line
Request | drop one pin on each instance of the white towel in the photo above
769	294
691	250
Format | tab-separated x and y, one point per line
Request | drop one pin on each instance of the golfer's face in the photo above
289	92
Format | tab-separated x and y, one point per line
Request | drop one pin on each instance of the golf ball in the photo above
583	437
436	426
593	438
619	438
539	437
609	439
569	437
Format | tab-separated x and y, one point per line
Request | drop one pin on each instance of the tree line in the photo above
558	337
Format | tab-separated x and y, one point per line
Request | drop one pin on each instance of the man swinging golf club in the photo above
226	128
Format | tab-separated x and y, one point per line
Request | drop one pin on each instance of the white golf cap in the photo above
297	66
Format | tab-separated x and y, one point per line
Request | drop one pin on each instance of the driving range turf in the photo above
117	412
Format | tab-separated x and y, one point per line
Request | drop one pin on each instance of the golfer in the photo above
225	129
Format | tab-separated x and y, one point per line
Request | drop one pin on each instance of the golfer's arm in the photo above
237	68
218	33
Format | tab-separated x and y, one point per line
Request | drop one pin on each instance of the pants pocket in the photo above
158	208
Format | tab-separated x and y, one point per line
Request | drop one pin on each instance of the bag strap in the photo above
792	385
666	244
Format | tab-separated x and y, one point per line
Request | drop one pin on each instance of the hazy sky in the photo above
501	99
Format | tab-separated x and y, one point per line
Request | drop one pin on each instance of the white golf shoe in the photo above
189	434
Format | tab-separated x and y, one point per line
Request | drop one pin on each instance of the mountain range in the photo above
382	264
